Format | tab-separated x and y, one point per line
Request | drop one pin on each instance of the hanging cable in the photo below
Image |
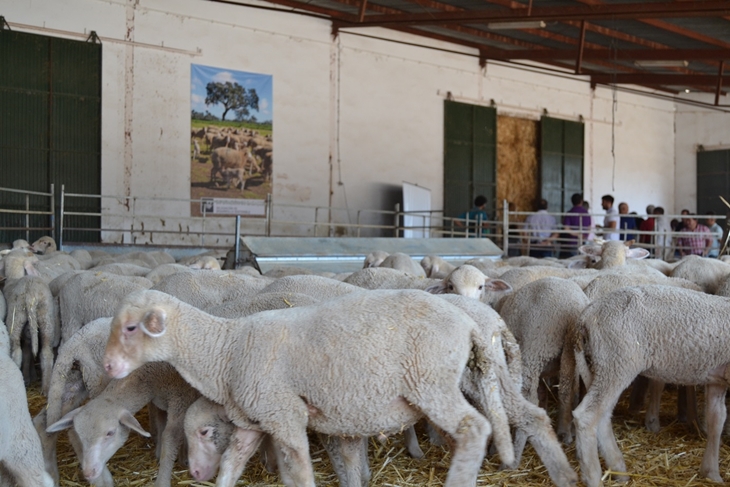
614	107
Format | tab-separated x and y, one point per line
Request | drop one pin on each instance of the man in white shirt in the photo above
541	230
611	220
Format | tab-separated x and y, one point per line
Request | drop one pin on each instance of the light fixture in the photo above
686	90
524	24
659	63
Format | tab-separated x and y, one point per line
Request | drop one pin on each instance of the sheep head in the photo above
612	253
208	433
374	259
137	327
467	280
44	245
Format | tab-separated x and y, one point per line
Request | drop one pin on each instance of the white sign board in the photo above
232	206
417	208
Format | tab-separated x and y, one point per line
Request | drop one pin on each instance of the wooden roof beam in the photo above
659	79
691	8
612	54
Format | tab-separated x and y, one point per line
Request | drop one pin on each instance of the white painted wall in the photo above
697	126
354	116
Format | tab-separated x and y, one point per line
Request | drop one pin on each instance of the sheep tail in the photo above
488	371
32	310
581	363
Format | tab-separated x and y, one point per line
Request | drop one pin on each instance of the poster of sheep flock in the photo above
231	141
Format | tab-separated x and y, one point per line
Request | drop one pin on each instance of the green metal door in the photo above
50	128
470	156
561	162
713	181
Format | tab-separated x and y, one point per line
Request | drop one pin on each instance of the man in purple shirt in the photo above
577	225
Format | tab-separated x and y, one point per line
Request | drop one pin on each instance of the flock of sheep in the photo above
235	154
230	363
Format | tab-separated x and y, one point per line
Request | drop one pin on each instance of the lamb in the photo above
91	295
20	450
263	301
113	412
208	432
318	287
540	315
707	273
667	333
521	276
374	258
77	375
124	269
404	263
160	272
333	393
29	301
387	278
435	267
467	280
613	253
205	289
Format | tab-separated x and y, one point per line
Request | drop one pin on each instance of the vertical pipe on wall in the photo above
334	121
60	223
238	241
505	228
128	97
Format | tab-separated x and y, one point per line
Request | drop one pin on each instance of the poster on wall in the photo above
231	141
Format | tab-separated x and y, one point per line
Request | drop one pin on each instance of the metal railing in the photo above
40	199
168	221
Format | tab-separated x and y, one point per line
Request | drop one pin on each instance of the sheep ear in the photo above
131	422
153	323
497	285
30	269
438	288
577	264
592	250
637	254
64	423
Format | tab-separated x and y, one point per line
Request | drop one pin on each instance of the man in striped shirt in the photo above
698	240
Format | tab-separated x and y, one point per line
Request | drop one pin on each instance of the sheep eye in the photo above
451	287
110	433
481	287
204	432
131	328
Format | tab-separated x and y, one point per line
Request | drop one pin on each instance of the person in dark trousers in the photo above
477	216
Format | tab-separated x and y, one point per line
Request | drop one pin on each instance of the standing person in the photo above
477	216
577	225
663	237
717	233
647	226
541	230
626	222
611	220
697	242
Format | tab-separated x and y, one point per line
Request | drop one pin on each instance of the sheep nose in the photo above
108	367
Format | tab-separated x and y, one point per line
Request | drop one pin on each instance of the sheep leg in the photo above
411	440
651	420
346	456
46	365
687	409
171	439
295	464
243	445
27	470
467	427
48	445
568	394
638	394
267	454
592	417
715	413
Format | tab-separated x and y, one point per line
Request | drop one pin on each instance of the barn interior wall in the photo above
354	116
697	126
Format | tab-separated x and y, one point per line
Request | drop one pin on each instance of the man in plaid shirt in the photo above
699	243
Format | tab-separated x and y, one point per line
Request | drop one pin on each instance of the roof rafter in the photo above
577	13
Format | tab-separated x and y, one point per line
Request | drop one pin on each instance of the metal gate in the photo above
50	127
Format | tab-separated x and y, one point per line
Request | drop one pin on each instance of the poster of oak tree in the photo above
231	141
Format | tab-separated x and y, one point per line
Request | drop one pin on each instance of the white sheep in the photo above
20	448
709	274
124	269
103	424
436	267
317	287
612	253
263	301
667	333
467	280
520	276
374	258
205	289
387	278
91	295
32	310
341	367
540	315
403	262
